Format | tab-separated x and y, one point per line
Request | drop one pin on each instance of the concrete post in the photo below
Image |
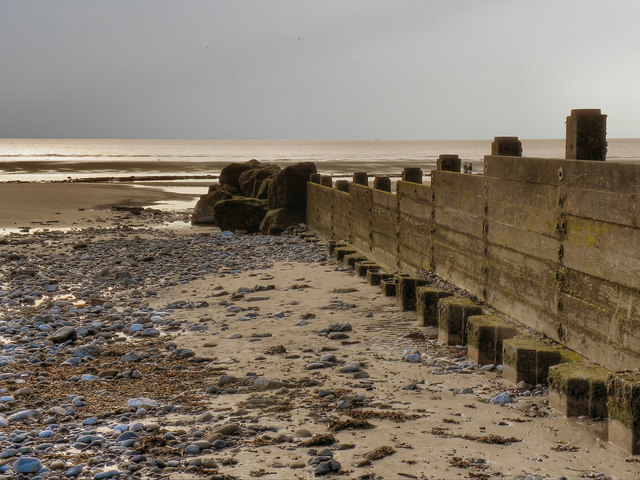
361	178
315	178
326	181
507	146
412	174
586	135
382	183
342	185
450	163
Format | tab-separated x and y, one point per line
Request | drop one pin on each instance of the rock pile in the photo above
255	196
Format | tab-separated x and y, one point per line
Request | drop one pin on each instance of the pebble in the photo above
317	365
502	398
412	357
340	327
27	465
142	402
107	474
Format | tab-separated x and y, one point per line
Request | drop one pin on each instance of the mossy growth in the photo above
569	356
340	252
478	323
623	404
560	375
457	301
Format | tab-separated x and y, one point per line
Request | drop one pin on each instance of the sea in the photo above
144	161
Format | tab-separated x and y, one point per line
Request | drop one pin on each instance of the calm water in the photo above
33	160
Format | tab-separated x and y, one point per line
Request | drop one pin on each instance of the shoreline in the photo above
67	204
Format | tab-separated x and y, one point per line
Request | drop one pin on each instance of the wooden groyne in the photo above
552	244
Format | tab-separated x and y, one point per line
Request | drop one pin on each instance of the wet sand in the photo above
73	204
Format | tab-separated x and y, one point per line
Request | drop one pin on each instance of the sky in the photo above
316	69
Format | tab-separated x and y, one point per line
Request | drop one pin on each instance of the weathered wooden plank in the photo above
532	243
583	174
455	271
604	250
418	259
341	232
384	219
531	194
524	217
448	200
446	255
319	209
341	203
609	341
611	207
521	283
602	294
383	253
542	272
520	309
459	221
413	233
457	240
412	192
384	200
460	183
606	324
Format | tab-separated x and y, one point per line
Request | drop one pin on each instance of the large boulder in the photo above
240	213
251	180
289	187
230	174
278	220
203	211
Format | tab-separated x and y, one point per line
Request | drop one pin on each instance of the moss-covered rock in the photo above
240	214
203	211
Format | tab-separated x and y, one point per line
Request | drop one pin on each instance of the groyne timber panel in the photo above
415	222
553	243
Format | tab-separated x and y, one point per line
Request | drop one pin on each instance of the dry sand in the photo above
415	412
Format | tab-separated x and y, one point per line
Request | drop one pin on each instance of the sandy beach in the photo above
61	204
133	350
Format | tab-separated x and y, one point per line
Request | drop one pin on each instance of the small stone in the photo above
228	428
74	471
204	417
57	465
192	450
413	358
351	367
337	336
226	380
142	402
63	334
107	474
23	392
340	327
27	465
502	398
317	365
